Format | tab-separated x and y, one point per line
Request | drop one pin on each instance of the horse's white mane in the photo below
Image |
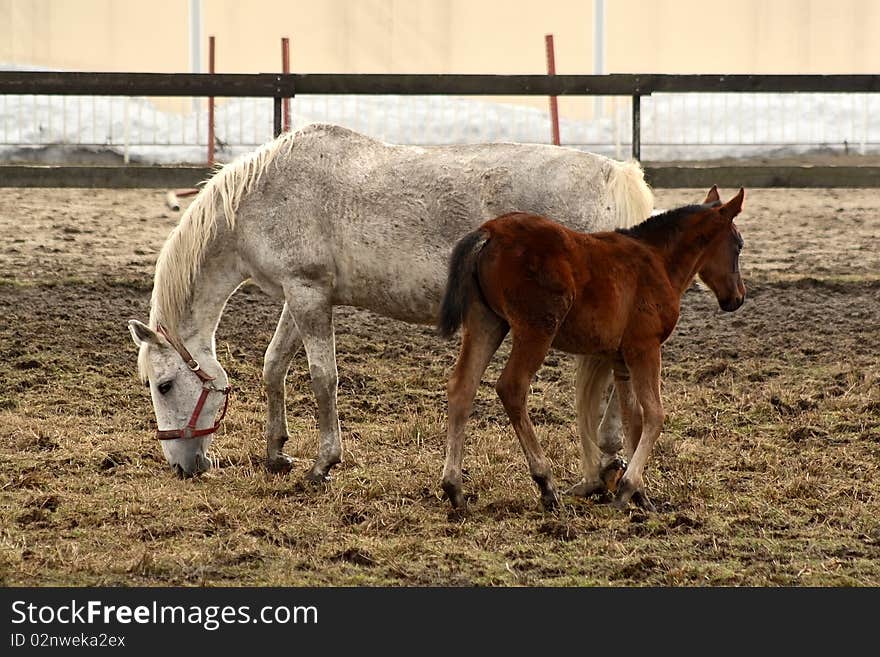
182	254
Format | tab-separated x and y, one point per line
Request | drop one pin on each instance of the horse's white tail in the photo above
631	196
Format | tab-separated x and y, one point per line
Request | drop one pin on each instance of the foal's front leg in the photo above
643	429
283	347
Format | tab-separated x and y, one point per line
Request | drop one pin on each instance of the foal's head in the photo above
720	266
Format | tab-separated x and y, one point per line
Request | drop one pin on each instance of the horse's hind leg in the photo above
526	355
283	347
610	428
600	465
313	313
481	334
641	394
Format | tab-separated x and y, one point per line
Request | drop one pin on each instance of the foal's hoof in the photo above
641	500
279	464
455	496
612	473
638	497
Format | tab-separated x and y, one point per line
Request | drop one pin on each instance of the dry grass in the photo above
766	474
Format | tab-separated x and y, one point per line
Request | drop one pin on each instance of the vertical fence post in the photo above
637	128
551	70
276	119
126	158
211	104
598	50
285	68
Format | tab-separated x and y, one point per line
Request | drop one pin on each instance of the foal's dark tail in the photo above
462	282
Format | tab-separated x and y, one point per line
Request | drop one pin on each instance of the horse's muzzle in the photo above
198	464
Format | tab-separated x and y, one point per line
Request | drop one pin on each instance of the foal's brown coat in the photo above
614	294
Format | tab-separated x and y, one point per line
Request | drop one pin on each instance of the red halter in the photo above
190	431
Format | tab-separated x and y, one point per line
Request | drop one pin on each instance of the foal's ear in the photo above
712	196
141	333
734	206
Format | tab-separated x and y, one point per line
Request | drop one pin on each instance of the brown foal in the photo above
613	294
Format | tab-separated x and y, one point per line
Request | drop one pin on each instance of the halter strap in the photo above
190	431
191	362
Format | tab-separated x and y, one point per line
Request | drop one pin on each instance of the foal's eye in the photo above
164	387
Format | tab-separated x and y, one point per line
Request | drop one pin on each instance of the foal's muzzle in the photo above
729	305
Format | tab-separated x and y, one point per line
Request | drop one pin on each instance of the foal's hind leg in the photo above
526	355
283	347
481	335
313	312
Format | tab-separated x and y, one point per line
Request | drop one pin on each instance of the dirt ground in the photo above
766	474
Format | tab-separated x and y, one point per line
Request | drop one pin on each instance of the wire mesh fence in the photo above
674	126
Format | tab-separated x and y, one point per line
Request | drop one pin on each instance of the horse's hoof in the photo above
550	501
316	478
583	489
280	464
457	514
612	473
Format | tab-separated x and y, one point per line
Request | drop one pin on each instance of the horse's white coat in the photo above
326	216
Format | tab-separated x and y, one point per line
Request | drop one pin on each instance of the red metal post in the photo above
551	70
285	68
211	104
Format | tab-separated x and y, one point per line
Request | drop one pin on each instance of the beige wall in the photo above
745	36
95	35
449	36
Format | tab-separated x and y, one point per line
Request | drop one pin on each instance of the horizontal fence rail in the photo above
291	84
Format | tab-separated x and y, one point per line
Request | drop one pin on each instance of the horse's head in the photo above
187	391
720	268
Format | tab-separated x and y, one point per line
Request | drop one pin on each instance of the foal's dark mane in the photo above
665	227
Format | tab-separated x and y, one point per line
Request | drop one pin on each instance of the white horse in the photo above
326	216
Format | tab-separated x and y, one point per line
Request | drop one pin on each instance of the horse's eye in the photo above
163	388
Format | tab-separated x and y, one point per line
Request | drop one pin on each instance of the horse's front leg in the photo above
643	419
313	313
283	347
